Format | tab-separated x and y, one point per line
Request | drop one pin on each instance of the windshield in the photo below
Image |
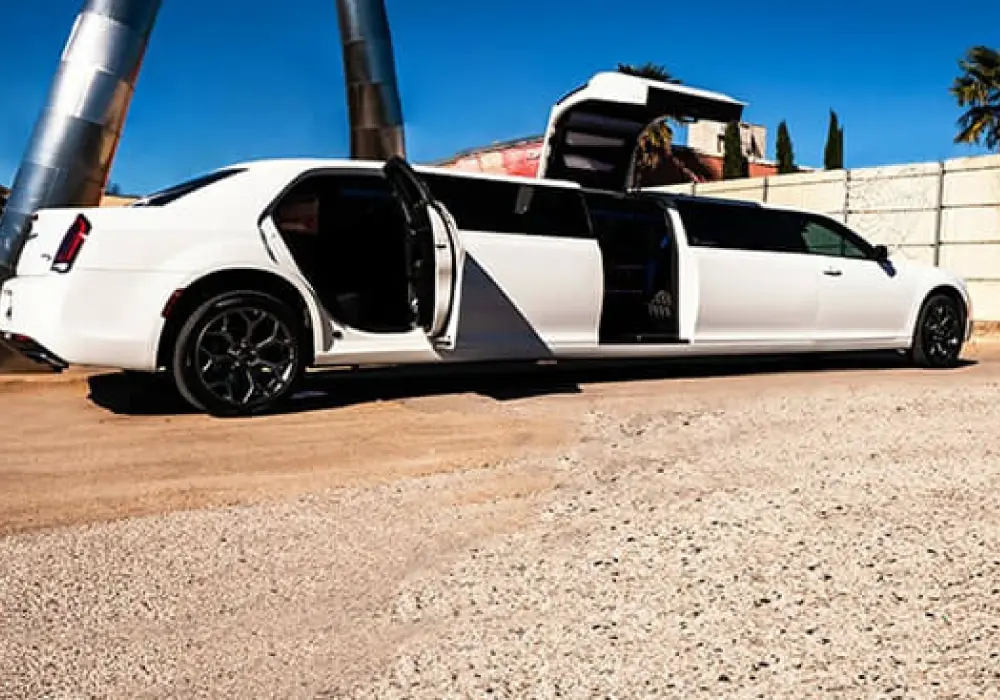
172	194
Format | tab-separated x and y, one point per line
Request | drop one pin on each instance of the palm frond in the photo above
648	70
977	89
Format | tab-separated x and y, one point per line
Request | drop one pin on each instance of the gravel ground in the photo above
794	535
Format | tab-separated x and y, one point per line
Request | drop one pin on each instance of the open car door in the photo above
593	131
434	254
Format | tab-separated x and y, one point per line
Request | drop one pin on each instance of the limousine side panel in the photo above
526	297
756	296
689	280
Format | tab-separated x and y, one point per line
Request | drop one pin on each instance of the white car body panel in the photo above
859	300
754	296
689	280
592	131
535	294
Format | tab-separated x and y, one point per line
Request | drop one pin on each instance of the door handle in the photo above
831	272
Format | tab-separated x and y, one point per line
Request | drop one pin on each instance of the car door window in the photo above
824	239
740	227
498	206
774	231
711	225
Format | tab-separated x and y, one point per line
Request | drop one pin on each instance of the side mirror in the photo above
881	253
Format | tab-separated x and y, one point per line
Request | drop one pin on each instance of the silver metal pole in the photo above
69	157
374	105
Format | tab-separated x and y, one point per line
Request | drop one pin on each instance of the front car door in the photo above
861	298
434	252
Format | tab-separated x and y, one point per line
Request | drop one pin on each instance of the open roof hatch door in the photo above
593	131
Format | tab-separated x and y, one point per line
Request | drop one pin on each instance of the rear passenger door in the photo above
757	284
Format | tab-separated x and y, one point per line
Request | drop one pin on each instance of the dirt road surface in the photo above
793	530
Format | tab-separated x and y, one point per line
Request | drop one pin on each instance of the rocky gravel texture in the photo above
802	535
799	549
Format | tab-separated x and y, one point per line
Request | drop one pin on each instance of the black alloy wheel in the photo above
940	333
238	354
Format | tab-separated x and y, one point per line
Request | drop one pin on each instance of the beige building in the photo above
109	200
710	138
112	200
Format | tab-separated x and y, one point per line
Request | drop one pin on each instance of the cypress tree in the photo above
833	156
734	163
840	145
785	153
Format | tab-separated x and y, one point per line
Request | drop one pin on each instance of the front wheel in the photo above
238	354
939	334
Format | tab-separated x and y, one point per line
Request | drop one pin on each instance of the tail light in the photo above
71	244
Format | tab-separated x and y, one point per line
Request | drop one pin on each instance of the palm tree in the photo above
658	138
978	89
651	71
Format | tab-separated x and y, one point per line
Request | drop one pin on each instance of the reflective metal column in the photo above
69	157
373	100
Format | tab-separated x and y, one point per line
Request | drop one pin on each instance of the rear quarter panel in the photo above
108	309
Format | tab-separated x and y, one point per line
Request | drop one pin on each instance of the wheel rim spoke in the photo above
942	333
245	355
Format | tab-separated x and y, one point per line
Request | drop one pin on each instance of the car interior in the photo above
348	236
640	269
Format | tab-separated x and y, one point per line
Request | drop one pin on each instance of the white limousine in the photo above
235	283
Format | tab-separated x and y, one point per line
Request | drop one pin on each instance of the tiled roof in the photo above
495	146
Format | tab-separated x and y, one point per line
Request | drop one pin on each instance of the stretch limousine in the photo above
238	281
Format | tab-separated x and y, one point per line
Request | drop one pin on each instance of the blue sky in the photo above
229	80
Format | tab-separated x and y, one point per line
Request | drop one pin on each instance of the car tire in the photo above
238	354
939	333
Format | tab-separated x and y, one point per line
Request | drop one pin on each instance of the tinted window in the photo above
329	202
172	194
710	226
509	207
626	218
740	227
826	238
776	231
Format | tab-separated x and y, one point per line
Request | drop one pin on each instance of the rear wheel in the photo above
939	334
238	354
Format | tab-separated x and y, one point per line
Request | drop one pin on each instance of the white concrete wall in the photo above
946	213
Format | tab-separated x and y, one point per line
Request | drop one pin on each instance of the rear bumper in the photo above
31	349
84	318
